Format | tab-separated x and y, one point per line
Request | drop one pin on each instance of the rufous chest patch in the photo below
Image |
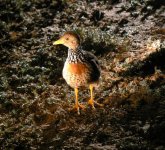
76	68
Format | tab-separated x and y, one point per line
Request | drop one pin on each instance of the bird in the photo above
81	68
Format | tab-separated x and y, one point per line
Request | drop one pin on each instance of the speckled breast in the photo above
76	74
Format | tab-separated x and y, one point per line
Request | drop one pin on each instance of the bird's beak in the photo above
60	41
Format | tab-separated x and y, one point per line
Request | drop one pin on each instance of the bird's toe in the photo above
92	103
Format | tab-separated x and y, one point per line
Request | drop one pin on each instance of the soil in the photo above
35	101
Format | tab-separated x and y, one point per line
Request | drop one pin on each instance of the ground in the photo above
35	101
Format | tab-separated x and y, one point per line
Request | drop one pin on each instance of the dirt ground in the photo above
128	37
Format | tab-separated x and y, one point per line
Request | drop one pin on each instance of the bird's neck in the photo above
74	55
74	51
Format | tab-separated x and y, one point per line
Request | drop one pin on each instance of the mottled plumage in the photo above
81	68
85	68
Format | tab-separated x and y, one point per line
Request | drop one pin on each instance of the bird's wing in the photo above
94	63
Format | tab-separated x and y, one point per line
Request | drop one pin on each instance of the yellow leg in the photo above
76	99
77	104
91	101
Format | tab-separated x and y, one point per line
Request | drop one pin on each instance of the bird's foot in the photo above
92	103
77	107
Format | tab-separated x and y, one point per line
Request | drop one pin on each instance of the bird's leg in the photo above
77	104
76	100
91	101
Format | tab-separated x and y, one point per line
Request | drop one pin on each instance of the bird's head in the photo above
69	39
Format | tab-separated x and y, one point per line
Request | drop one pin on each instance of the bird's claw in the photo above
78	107
92	103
